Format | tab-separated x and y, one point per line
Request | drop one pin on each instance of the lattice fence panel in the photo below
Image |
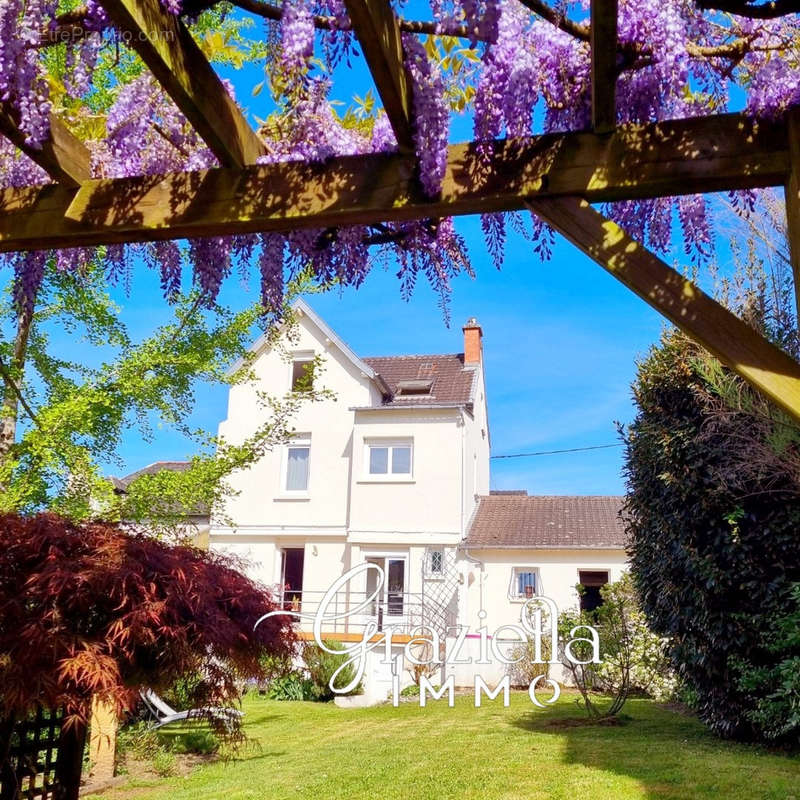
44	761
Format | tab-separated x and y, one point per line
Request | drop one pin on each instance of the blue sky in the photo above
560	343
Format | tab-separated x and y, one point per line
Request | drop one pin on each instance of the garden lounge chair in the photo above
164	713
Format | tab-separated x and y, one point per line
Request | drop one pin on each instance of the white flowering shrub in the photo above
643	654
632	658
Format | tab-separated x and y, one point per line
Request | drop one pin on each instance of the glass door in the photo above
389	603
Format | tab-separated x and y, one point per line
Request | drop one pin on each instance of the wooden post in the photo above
70	762
792	195
378	32
62	155
604	65
730	339
165	45
634	161
102	740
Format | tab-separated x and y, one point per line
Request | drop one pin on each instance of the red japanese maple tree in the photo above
91	609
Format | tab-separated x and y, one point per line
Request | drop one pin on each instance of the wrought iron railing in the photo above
350	612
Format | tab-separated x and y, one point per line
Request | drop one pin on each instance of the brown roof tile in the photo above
451	381
555	522
122	484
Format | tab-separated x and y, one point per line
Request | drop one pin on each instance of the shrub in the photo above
526	669
632	657
91	609
322	666
777	688
164	763
274	667
713	510
291	687
200	742
186	691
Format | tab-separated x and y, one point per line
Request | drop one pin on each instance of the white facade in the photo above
374	474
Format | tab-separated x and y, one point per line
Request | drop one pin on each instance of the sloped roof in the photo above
452	382
552	522
121	484
150	469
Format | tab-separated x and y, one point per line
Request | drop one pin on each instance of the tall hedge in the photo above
713	511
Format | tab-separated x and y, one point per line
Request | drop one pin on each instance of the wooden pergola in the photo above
557	176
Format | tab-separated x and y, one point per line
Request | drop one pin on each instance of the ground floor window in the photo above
592	581
523	583
292	563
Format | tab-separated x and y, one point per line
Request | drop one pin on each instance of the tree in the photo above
87	609
713	510
76	412
632	656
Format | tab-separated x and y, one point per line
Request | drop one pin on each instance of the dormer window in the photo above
303	373
414	388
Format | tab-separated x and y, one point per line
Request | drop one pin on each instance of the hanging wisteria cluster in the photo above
519	67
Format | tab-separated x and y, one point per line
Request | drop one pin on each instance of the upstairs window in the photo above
298	455
303	374
389	458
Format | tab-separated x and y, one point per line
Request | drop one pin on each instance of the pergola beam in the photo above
378	32
662	159
167	48
62	155
792	195
721	332
604	65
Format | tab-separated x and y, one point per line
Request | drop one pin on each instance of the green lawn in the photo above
319	751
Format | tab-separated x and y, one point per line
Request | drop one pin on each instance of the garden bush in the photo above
713	510
633	660
293	686
322	666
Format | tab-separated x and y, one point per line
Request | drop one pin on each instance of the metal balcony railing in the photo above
350	612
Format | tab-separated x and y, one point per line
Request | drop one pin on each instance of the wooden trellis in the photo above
43	760
556	176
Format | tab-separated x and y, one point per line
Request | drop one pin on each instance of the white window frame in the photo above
429	572
386	557
300	440
301	356
389	444
513	595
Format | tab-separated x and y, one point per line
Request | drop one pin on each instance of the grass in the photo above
318	751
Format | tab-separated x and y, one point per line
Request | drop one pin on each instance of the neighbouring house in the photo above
196	520
393	470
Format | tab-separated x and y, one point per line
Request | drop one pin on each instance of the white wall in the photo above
557	576
429	501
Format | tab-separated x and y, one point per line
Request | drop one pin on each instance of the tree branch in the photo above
546	12
68	27
12	384
745	8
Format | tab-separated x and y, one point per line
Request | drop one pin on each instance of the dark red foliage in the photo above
91	608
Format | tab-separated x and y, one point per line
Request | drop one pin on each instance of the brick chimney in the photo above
472	341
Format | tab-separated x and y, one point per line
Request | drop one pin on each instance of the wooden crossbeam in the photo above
165	45
792	195
685	156
62	156
710	324
378	32
604	65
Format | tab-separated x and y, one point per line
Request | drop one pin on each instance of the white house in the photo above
393	470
